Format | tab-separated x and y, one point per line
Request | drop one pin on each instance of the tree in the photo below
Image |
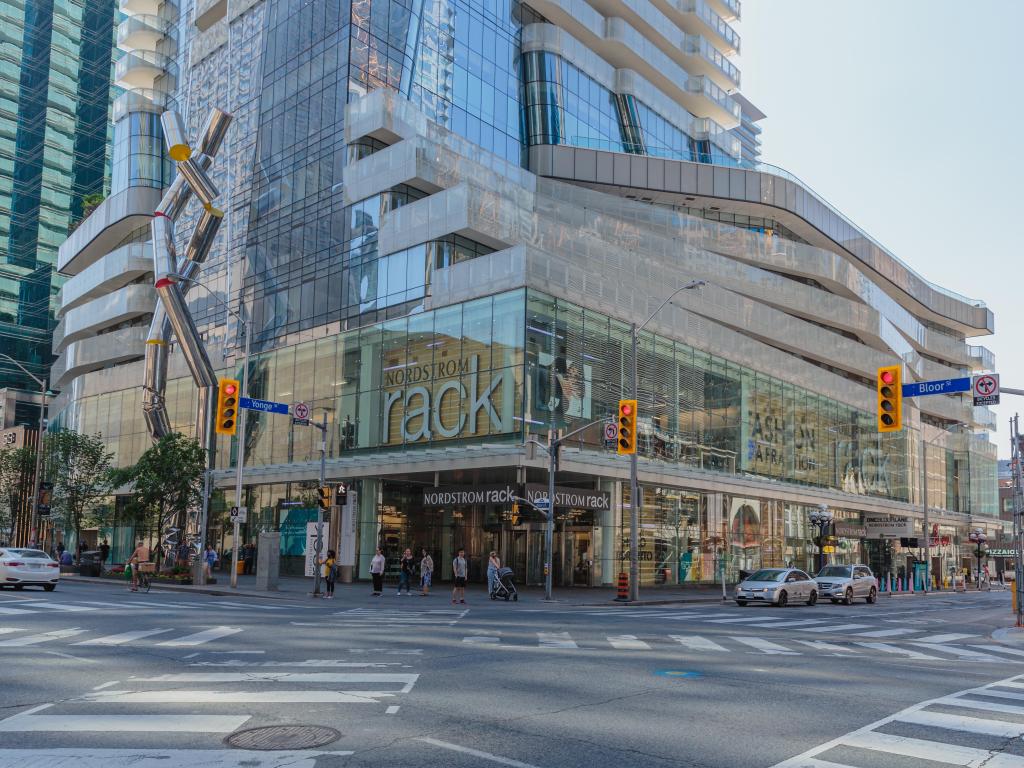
79	467
16	468
167	480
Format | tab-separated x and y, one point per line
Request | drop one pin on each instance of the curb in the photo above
187	589
1011	636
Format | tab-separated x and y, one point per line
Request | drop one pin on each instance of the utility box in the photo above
268	561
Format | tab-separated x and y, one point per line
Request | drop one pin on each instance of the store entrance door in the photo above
526	554
577	558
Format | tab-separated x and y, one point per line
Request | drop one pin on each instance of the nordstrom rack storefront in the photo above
431	418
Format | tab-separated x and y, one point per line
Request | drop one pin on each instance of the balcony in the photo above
723	108
141	100
115	270
96	352
705	59
697	17
89	319
983	356
115	219
729	9
140	7
141	69
143	32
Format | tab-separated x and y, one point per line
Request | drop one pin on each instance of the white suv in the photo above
847	583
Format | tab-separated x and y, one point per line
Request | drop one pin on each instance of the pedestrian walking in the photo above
329	573
493	565
426	573
138	556
104	555
377	572
209	559
459	571
248	554
405	575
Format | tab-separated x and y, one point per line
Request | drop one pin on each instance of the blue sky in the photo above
906	115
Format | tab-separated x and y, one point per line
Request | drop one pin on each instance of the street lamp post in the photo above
980	549
39	447
821	518
634	491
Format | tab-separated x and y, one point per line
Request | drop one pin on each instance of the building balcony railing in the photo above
143	32
103	313
713	24
698	46
730	9
141	100
143	7
141	69
704	85
983	355
96	352
115	270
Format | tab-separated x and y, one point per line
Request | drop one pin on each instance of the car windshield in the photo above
835	571
766	575
29	553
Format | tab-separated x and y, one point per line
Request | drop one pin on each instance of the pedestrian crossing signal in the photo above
627	427
227	407
324	497
890	398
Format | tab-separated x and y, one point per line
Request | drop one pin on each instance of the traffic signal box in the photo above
324	497
890	399
627	427
227	407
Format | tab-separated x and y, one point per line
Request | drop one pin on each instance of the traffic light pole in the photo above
924	510
240	458
634	495
319	543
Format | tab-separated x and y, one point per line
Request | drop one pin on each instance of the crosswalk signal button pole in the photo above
227	407
890	398
627	427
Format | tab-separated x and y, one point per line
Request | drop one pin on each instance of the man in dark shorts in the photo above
459	571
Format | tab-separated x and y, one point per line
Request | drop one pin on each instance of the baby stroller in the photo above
504	585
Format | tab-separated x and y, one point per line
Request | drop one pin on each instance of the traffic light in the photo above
890	399
627	427
341	494
227	407
324	497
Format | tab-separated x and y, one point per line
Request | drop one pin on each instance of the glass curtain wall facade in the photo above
55	88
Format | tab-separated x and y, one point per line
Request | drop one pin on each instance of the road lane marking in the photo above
802	623
12	611
963	723
698	643
200	637
556	640
962	653
124	637
743	619
985	706
406	679
765	646
481	640
887	633
45	637
946	638
475	753
392	710
908	652
628	643
999	649
839	627
821	645
101	686
228	697
10	630
62	607
161	758
938	751
123	723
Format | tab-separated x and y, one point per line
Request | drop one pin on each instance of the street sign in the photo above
239	514
938	387
611	431
541	503
300	411
986	389
266	406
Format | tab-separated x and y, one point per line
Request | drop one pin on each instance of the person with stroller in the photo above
493	566
426	573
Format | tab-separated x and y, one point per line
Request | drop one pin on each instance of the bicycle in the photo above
142	576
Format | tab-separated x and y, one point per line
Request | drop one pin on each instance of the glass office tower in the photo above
442	217
55	95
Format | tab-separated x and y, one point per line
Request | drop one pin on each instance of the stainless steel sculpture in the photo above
173	277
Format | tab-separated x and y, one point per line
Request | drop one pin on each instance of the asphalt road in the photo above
92	675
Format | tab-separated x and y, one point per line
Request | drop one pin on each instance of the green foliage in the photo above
79	467
16	468
167	480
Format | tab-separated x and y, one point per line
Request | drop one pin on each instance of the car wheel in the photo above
783	599
19	586
49	587
813	598
741	603
872	595
848	599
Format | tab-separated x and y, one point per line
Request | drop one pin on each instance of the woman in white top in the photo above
377	572
493	564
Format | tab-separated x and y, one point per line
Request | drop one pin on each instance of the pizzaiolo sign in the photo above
446	399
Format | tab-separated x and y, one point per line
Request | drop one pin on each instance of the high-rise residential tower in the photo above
442	218
55	92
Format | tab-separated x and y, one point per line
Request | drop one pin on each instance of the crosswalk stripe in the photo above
407	680
200	637
628	643
556	640
698	643
229	697
999	694
743	618
765	646
999	649
985	706
482	640
123	637
9	630
962	653
802	623
963	723
61	607
939	752
946	638
821	645
895	649
124	723
887	633
839	627
811	762
12	611
160	758
45	637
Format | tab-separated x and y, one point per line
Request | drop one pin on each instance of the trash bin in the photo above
90	564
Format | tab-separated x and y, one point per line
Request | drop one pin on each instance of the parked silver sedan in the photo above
777	586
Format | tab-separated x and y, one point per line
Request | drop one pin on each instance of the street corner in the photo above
1011	636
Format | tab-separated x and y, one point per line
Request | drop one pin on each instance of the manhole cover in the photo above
283	737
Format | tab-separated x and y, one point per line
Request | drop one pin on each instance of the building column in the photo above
369	489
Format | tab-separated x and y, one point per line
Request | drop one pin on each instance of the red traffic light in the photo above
887	377
625	409
229	389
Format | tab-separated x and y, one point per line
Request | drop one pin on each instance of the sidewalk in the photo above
300	588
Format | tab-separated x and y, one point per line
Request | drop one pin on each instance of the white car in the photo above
777	586
847	583
33	567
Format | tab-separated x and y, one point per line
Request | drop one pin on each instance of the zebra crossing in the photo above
41	606
852	647
388	618
18	637
985	717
